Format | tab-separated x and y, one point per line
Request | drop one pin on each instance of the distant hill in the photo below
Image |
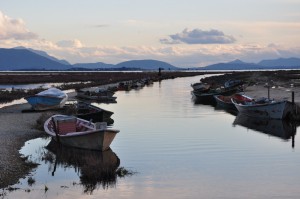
44	54
23	59
288	62
234	65
282	63
93	65
146	65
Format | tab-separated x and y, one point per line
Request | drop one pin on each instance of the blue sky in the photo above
183	33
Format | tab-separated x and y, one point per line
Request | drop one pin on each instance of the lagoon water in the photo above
175	148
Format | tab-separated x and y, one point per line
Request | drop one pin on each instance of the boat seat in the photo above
65	125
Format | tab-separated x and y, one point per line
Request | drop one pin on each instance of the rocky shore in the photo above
18	127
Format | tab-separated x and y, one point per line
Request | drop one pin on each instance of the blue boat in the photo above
49	99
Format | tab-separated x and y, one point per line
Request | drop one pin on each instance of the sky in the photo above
184	33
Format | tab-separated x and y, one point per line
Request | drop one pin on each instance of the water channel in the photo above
175	148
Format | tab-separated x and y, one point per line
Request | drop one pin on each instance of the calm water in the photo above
178	149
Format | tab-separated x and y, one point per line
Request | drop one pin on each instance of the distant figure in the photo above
159	72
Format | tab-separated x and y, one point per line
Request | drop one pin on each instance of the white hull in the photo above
275	110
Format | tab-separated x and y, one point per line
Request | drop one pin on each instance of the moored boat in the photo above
79	133
102	95
208	97
89	112
264	108
199	86
51	98
225	101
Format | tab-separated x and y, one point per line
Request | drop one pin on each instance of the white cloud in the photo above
70	43
198	36
14	29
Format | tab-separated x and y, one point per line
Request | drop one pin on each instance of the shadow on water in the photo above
95	168
198	101
283	129
233	112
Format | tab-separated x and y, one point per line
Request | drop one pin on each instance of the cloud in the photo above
70	43
14	29
198	36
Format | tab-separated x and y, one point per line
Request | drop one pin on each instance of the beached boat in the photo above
89	112
225	101
264	108
79	133
51	98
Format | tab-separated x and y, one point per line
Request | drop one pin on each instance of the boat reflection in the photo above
222	109
279	128
95	168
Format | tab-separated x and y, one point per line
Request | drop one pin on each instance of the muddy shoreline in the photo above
18	127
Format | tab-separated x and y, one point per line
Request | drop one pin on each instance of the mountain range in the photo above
281	63
21	58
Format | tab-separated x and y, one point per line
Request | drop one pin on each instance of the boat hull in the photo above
226	103
276	110
79	133
222	103
208	97
93	113
45	102
97	140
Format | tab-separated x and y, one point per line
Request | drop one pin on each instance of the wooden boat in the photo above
51	98
208	97
89	112
264	108
279	128
79	133
225	101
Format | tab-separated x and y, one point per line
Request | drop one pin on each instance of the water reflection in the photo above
94	168
229	111
279	128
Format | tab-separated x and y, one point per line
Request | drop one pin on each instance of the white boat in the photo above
79	133
264	108
49	99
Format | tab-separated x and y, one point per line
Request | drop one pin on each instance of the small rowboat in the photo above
89	112
225	101
79	133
